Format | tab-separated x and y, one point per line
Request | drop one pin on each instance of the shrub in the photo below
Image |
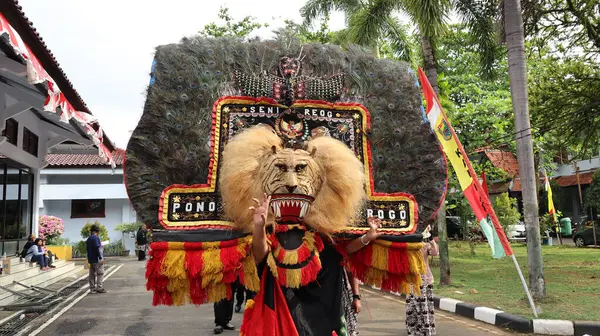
79	249
128	227
51	227
85	231
506	210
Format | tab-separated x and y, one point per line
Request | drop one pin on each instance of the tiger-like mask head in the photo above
255	162
289	171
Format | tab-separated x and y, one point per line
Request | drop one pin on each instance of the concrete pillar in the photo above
37	199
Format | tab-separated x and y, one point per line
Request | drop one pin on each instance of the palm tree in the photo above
371	22
517	71
478	15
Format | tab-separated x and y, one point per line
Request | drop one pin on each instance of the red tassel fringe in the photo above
230	257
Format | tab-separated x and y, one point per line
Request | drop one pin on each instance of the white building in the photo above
79	187
39	109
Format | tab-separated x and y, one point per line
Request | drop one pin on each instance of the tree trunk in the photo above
431	71
518	87
443	246
430	63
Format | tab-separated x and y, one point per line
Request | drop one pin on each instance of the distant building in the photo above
79	187
39	109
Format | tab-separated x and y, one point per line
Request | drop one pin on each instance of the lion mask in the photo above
255	162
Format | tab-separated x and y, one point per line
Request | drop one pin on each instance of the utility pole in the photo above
517	71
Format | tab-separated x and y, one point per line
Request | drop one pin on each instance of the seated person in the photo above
35	255
29	243
47	254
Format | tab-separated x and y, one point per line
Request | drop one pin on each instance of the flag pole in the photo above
479	201
531	303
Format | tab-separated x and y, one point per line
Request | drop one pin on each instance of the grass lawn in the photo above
572	281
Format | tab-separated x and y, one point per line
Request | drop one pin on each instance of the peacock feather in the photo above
170	144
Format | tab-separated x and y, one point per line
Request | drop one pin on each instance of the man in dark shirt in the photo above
96	261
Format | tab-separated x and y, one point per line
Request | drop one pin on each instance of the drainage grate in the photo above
72	288
17	323
13	325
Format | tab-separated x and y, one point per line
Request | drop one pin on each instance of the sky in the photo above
106	47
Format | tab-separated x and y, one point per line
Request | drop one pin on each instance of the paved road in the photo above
127	310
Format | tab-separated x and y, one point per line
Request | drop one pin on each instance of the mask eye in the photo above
282	168
300	168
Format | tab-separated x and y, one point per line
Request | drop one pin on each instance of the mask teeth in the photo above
304	209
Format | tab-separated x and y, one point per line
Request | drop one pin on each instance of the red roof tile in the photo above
498	188
504	160
13	12
69	160
571	180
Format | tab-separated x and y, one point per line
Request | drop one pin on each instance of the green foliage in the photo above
230	27
114	249
547	222
374	24
79	249
322	35
592	193
570	26
85	231
506	210
482	113
565	101
58	241
128	227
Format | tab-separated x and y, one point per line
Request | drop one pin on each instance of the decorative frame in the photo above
379	203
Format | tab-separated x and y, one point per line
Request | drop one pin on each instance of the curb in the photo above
517	323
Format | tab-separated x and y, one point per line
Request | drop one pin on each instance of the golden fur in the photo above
338	201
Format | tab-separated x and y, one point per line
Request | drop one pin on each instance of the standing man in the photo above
96	261
224	312
141	240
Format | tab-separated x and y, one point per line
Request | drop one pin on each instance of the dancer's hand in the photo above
260	211
356	305
374	225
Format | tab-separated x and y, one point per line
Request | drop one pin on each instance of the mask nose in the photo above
291	189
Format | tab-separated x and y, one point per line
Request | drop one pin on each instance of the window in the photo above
30	142
16	206
11	131
87	209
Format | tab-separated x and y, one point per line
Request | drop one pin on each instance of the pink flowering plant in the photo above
51	227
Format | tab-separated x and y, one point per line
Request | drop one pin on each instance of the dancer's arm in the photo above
367	238
433	248
260	248
354	284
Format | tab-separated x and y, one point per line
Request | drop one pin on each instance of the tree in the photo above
506	210
570	26
474	13
517	71
592	193
368	24
565	101
230	27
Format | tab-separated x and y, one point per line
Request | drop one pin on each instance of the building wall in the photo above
117	211
59	186
85	179
583	165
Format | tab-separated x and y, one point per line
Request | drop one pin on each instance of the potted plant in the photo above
546	225
50	228
124	229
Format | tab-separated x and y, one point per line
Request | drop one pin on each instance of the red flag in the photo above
467	178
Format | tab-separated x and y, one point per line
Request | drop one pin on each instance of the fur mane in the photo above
336	205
